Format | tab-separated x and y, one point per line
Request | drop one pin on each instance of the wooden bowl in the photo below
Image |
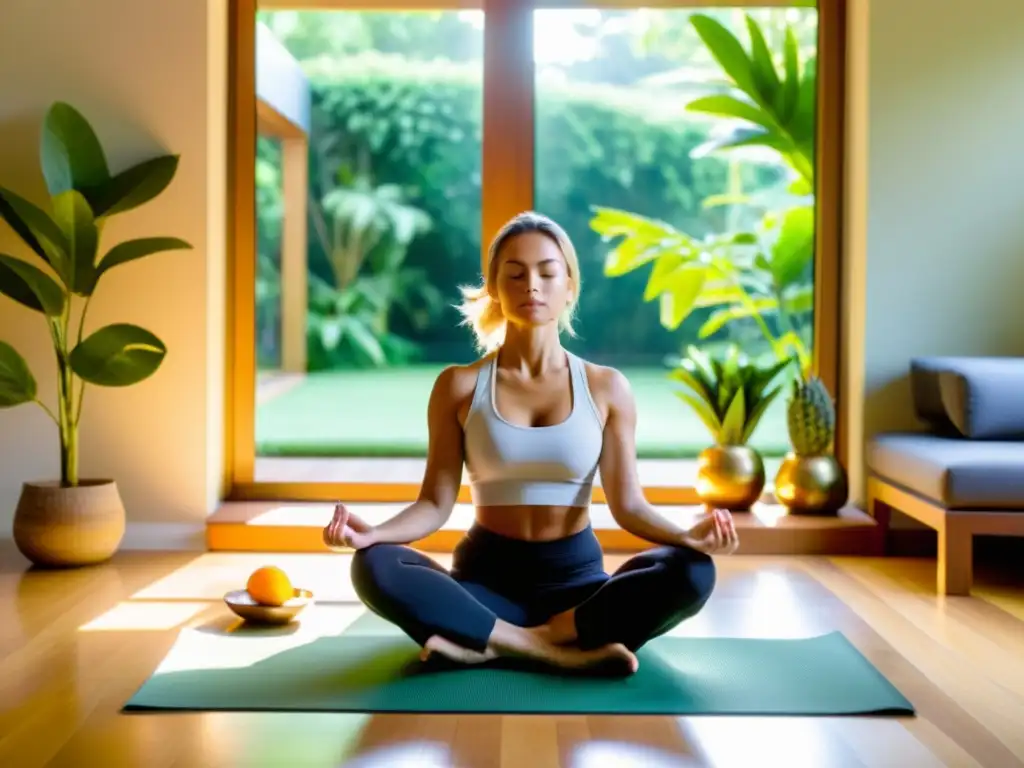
241	602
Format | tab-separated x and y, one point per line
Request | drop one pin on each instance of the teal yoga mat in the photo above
372	667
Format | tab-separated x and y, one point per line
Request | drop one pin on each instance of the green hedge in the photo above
421	127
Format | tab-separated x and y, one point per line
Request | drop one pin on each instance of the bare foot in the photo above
614	658
560	629
444	647
532	644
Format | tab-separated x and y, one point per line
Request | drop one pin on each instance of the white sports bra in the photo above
511	465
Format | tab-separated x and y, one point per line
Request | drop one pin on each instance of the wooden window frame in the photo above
508	188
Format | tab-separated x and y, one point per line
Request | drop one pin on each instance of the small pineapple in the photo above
812	418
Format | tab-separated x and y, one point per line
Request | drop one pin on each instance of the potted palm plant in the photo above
71	520
730	396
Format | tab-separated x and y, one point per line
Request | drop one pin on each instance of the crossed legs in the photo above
647	596
463	621
578	626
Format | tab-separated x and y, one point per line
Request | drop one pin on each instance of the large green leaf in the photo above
807	101
719	293
70	152
661	273
762	68
674	273
734	421
132	187
612	222
794	249
727	51
34	225
746	136
786	115
644	240
677	301
723	105
721	317
130	250
17	385
118	355
790	92
73	214
30	286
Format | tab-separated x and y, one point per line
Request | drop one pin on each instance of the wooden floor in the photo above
75	645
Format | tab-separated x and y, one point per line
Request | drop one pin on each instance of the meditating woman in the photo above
533	424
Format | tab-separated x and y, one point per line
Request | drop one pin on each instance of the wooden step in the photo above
268	526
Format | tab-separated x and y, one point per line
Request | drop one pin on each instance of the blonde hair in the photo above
480	308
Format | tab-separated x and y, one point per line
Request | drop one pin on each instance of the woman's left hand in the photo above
714	534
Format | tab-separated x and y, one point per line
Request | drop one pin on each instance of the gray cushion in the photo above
955	472
977	397
924	389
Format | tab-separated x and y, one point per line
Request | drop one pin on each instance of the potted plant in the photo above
730	396
74	521
810	479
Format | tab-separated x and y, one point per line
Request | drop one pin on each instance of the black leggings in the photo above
526	583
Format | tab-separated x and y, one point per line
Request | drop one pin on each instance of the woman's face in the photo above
533	282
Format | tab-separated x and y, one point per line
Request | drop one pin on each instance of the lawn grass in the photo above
383	414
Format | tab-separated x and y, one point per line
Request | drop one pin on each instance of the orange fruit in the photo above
270	585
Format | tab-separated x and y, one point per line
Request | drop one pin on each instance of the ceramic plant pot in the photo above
65	527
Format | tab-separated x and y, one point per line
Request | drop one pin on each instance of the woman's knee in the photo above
372	566
695	574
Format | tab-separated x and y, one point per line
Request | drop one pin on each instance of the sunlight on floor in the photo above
776	610
140	616
801	740
410	754
238	646
775	607
610	754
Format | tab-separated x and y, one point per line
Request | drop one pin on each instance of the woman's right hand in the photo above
714	534
347	530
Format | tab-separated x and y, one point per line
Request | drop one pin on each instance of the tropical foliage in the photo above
731	394
763	274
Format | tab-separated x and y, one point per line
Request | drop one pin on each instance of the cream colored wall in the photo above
151	78
935	231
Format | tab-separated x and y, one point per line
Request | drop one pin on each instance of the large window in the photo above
378	151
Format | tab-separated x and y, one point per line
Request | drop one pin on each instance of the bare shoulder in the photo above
610	389
454	386
458	380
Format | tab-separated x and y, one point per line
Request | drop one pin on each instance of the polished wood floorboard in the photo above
75	645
